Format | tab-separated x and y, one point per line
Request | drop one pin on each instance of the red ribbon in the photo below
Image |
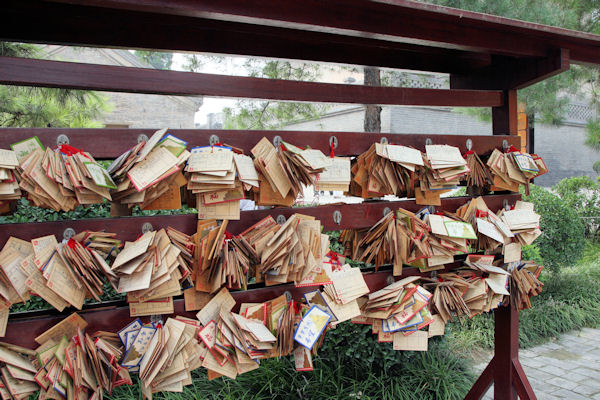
71	243
468	153
331	150
512	149
439	213
69	150
482	214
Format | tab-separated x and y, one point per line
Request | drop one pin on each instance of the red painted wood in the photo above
513	73
506	349
521	382
392	21
22	329
58	74
43	22
482	384
117	141
129	228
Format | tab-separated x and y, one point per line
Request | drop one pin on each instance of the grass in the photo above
570	300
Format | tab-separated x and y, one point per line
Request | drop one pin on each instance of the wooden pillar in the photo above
506	349
505	118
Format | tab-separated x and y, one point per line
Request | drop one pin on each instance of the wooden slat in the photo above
129	228
115	142
66	24
398	21
58	74
22	329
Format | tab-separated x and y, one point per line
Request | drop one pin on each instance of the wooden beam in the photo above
66	24
393	21
116	141
513	73
505	118
58	74
361	215
24	327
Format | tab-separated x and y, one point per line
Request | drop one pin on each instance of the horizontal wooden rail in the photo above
108	143
23	328
129	228
58	74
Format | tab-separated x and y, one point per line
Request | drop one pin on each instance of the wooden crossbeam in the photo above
58	74
116	141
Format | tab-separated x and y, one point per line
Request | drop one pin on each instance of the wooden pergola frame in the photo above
488	59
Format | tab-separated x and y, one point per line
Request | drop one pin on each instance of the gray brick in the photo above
567	394
586	390
562	383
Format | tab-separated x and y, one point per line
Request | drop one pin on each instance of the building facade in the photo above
132	110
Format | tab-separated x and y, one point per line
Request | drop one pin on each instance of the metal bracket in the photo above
142	138
383	140
337	217
213	139
62	139
428	142
386	211
68	233
277	141
333	140
280	219
147	227
469	144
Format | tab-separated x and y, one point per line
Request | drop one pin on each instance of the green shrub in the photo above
562	240
582	194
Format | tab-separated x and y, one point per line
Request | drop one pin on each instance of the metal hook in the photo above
333	140
213	139
386	211
469	144
147	227
505	204
383	140
337	217
428	142
62	139
277	141
142	138
280	219
505	144
68	233
390	279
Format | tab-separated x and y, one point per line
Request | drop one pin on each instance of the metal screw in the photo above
68	233
337	217
142	138
280	219
62	139
333	140
213	139
147	227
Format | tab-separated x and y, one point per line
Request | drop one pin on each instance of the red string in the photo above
69	150
331	150
228	235
482	214
512	149
282	147
468	153
439	213
71	243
